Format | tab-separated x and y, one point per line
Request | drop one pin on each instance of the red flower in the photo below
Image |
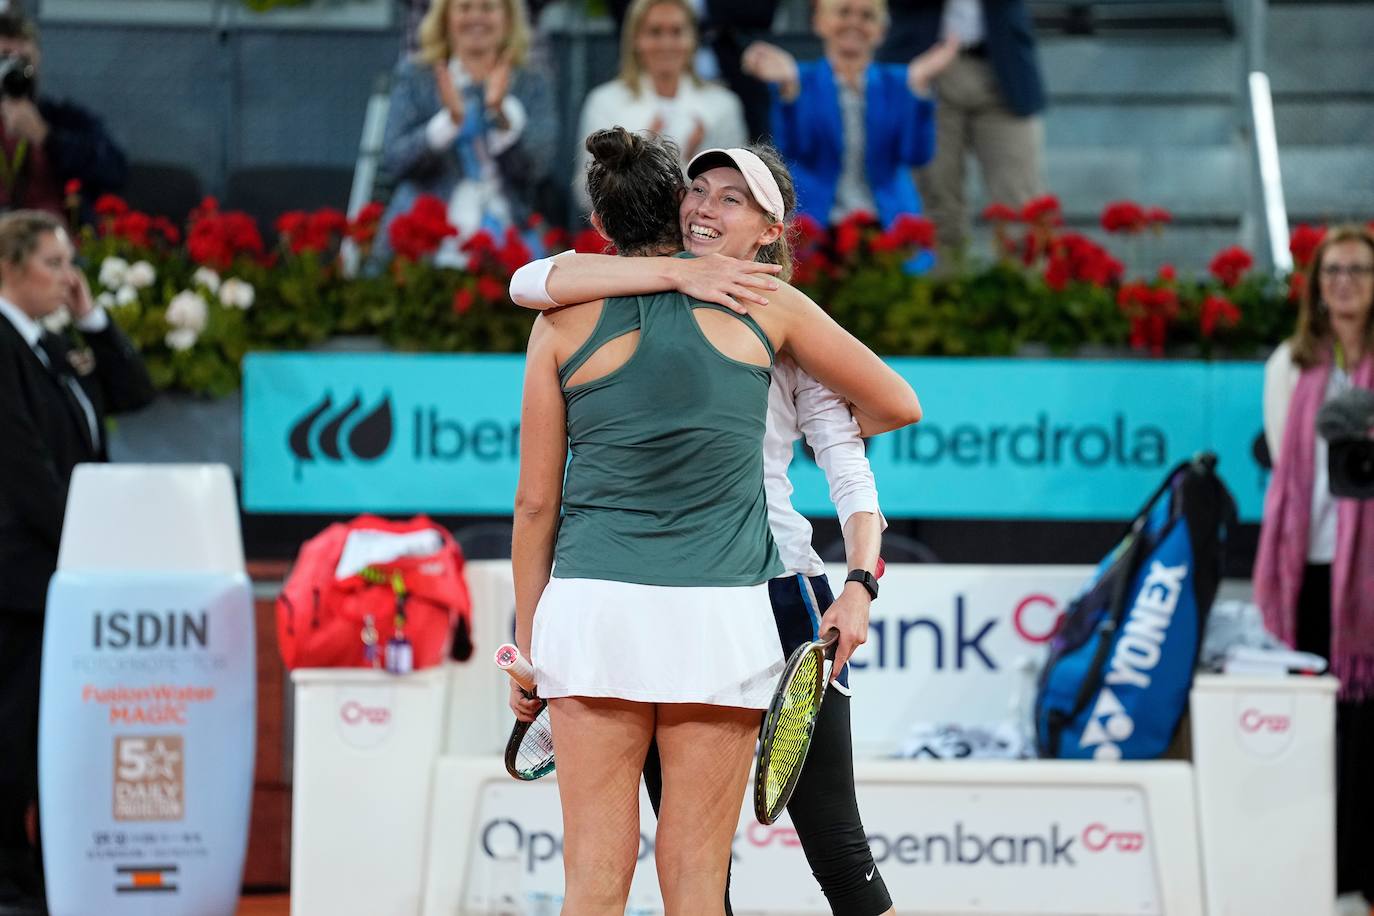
1158	216
215	239
1123	216
1217	311
1044	210
589	241
555	239
363	227
885	243
164	226
1058	273
110	205
72	187
490	288
514	254
1000	213
462	300
911	229
811	230
420	231
1296	281
133	227
847	236
291	223
1304	241
1168	273
1230	264
479	245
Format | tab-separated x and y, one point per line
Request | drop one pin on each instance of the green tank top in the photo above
664	484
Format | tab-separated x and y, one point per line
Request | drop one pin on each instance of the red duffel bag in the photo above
322	609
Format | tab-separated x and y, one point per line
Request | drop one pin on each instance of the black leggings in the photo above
823	808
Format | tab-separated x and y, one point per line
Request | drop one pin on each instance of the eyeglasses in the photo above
1353	271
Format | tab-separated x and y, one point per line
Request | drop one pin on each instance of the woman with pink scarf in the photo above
1314	573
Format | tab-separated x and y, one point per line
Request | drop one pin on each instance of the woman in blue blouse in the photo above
852	129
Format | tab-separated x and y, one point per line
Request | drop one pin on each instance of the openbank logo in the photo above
338	433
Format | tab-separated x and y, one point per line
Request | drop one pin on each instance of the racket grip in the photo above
509	660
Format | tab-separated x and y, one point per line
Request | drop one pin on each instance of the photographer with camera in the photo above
1314	572
45	143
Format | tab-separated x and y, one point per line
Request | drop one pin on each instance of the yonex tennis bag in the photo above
1117	679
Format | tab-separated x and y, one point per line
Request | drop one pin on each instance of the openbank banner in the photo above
1002	438
940	848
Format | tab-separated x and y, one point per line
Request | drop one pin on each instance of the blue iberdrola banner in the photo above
1001	438
146	742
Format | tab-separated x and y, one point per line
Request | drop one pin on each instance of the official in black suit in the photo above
987	104
54	398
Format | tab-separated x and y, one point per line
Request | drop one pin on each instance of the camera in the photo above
1350	466
17	76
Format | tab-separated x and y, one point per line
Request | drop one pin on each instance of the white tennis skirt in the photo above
656	643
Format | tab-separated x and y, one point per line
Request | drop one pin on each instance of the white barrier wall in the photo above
1262	748
949	837
943	646
366	746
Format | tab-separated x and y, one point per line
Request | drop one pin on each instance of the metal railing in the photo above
1265	225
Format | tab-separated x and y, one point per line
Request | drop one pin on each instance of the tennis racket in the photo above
529	751
789	724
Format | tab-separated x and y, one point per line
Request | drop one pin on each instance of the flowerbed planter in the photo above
195	309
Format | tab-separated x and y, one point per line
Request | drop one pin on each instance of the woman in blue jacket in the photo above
852	129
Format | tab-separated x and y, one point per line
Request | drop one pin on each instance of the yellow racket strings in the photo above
793	730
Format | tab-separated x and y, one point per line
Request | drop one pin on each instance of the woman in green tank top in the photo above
691	441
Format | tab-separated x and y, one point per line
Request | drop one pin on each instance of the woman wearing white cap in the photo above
733	195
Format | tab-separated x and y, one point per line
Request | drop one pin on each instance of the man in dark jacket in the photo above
54	398
987	104
45	143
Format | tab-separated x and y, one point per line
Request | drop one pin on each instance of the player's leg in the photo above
705	753
600	746
823	808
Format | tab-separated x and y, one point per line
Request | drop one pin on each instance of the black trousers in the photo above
823	808
21	648
1354	746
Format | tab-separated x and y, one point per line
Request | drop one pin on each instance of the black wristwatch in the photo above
866	579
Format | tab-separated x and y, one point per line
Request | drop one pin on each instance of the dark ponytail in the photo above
635	184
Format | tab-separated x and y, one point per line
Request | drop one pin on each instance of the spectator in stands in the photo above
988	101
45	143
1314	572
658	88
468	123
724	29
851	129
54	398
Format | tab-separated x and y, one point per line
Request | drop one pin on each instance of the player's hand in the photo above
731	282
849	615
524	707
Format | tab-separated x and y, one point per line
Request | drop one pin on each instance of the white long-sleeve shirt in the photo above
798	406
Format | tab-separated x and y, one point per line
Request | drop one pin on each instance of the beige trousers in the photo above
971	118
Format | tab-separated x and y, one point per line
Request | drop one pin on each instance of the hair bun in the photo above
614	148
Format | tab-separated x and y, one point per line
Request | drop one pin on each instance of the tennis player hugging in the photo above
643	573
